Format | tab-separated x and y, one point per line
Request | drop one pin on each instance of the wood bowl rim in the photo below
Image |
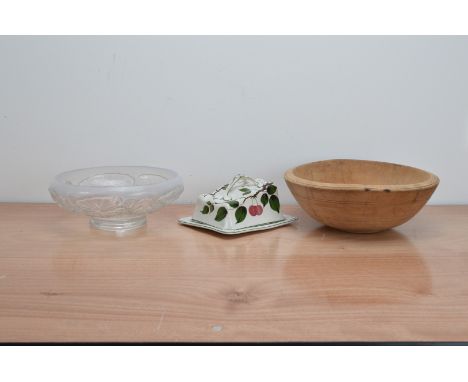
432	180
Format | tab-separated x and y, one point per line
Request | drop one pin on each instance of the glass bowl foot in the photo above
118	225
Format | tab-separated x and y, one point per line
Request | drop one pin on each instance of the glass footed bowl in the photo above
116	198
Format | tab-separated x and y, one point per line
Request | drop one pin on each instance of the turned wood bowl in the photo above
358	195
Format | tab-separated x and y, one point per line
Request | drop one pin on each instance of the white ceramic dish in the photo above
242	203
236	231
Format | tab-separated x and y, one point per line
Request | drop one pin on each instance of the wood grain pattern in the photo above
360	195
61	280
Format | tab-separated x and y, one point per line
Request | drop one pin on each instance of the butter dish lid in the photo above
243	203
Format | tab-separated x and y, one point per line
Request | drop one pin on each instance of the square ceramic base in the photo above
195	223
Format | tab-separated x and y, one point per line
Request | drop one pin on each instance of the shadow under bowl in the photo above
358	195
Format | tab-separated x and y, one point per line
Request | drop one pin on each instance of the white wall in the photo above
211	107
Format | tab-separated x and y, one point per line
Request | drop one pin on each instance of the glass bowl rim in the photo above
171	177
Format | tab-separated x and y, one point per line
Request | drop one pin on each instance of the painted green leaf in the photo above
264	199
209	203
245	191
211	208
240	214
274	203
205	210
234	203
221	214
271	189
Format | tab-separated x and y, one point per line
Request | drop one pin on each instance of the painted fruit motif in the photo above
253	210
267	198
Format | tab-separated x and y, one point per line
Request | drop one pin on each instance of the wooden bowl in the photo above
358	195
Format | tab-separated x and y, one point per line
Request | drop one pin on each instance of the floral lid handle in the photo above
240	181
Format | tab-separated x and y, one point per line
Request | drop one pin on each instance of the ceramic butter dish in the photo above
245	204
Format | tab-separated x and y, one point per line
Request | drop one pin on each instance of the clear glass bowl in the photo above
116	198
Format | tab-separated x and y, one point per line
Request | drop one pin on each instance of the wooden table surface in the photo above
61	280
